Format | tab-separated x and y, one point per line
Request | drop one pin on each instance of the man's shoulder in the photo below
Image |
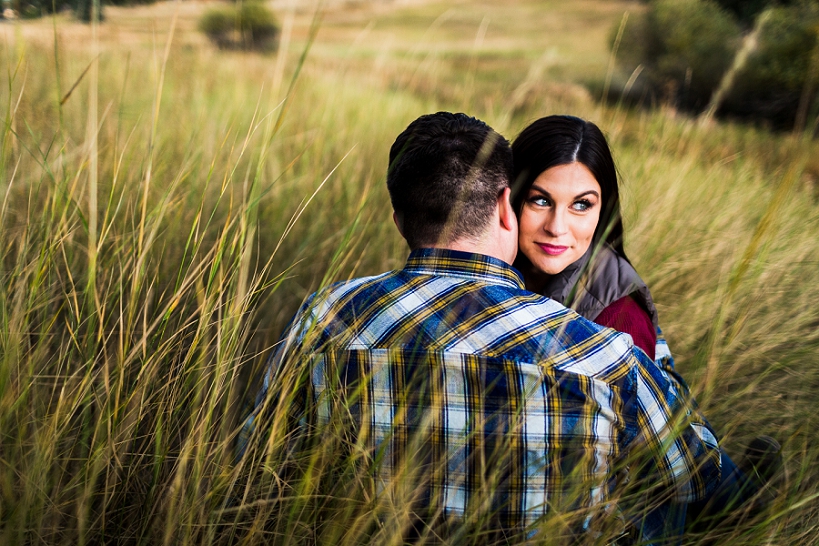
588	349
332	293
575	344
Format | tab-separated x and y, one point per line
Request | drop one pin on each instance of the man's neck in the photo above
475	247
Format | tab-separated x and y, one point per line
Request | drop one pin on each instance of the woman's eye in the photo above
582	205
540	201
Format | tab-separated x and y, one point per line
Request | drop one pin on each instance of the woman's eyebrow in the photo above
538	188
590	192
578	196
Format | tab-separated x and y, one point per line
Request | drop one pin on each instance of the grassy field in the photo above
162	220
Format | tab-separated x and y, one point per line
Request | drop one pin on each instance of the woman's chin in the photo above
551	270
549	266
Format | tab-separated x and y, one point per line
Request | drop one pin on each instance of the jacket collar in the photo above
596	280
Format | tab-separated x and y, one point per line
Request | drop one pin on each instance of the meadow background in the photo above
166	206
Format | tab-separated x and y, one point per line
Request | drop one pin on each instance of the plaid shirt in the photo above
511	392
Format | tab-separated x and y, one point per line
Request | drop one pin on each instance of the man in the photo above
493	403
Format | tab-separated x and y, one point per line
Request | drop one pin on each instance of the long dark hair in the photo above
561	140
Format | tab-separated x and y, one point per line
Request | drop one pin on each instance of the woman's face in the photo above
558	217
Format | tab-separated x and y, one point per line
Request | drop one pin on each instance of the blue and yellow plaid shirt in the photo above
511	392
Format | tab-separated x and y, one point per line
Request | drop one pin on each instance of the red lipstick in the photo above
552	250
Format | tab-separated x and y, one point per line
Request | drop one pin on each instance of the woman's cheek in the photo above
526	225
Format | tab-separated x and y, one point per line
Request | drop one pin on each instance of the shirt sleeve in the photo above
271	388
627	316
684	447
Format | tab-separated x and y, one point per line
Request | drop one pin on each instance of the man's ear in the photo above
508	219
397	220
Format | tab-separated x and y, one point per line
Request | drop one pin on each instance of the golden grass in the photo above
150	265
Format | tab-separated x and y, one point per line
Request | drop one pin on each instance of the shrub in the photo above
250	26
771	84
219	24
685	47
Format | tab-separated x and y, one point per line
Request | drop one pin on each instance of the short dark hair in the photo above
560	140
445	174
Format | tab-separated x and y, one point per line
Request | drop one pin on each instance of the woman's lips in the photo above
552	250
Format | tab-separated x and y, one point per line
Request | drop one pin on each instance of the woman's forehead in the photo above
571	178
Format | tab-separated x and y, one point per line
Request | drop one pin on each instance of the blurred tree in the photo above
747	10
31	9
684	47
83	9
781	75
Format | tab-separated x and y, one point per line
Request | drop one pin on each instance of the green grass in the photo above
147	272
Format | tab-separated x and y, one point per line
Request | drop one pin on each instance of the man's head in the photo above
448	178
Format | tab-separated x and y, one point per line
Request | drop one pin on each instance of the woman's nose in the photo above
555	225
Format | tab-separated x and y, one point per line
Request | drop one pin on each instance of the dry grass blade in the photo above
77	82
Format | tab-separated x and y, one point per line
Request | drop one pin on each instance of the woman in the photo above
571	250
571	233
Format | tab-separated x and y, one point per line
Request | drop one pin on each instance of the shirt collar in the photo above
464	265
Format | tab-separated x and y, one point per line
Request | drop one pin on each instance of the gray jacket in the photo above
590	289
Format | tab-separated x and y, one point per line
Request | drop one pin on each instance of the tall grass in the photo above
161	223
